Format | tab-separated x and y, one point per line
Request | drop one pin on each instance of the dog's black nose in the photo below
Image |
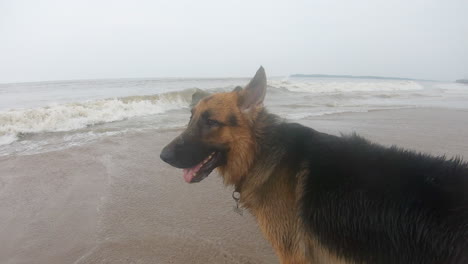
167	155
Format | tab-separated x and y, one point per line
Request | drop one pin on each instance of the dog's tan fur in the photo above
239	138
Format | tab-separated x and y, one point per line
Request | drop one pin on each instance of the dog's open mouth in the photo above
203	169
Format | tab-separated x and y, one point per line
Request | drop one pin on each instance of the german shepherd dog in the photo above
320	198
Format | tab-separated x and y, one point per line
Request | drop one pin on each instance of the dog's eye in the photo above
212	123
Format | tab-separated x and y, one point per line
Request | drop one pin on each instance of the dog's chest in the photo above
275	209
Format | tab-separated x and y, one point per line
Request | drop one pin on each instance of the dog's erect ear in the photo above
253	94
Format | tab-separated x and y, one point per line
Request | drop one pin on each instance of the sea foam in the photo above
319	86
77	115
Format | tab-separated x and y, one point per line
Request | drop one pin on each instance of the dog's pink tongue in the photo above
191	172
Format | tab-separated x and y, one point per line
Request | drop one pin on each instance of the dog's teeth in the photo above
208	158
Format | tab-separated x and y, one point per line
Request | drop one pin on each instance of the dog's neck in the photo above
250	148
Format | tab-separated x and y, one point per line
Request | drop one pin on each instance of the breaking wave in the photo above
319	86
77	115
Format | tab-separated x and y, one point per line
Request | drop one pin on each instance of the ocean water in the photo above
47	116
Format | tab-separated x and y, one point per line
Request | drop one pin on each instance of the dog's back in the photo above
372	204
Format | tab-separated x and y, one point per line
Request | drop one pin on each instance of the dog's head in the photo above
219	134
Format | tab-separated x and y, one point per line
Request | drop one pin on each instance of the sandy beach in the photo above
114	201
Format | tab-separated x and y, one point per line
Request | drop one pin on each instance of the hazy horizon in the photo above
67	40
319	75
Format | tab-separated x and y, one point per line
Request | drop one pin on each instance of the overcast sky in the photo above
57	40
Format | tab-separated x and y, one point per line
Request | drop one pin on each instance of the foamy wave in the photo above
318	86
7	139
299	116
72	116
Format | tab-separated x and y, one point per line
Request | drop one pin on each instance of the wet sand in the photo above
114	201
